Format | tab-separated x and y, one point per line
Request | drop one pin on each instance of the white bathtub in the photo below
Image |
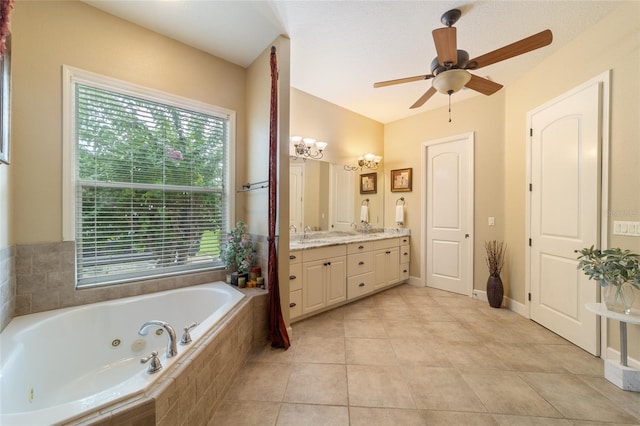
60	364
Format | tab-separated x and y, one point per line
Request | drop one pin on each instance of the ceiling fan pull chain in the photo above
449	107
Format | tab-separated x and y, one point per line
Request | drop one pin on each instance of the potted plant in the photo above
238	253
616	270
495	261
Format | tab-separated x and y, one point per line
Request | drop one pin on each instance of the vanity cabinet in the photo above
387	262
295	284
329	276
360	269
405	257
324	272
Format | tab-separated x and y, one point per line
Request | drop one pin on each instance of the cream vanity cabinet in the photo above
295	284
324	272
405	256
360	269
386	258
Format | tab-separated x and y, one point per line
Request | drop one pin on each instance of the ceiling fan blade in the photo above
402	80
424	98
525	45
445	41
482	85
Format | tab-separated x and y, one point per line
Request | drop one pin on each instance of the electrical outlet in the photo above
492	221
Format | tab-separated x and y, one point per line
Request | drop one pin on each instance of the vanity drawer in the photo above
295	304
385	244
359	263
405	254
404	240
295	277
353	248
404	271
295	257
311	255
360	285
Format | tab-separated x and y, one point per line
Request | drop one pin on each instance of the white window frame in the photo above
71	76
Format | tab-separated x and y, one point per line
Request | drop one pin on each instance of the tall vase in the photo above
619	298
495	291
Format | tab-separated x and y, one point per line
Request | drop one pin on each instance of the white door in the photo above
449	214
296	195
341	198
564	212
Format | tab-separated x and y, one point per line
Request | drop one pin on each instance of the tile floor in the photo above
418	356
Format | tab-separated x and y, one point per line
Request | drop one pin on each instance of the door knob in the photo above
466	236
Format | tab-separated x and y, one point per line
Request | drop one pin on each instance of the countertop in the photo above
332	238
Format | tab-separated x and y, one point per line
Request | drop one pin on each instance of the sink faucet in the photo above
366	227
292	226
172	349
304	233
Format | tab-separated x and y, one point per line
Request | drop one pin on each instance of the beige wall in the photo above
499	123
48	34
6	238
483	115
613	43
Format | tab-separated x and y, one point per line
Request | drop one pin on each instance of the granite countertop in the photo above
332	238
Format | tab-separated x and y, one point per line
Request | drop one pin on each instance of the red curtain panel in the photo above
277	328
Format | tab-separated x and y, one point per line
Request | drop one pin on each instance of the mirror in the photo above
325	197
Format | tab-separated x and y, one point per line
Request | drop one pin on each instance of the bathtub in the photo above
61	364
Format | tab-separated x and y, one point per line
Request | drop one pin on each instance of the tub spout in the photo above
172	349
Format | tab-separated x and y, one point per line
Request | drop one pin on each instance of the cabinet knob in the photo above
361	285
361	263
292	277
291	257
360	247
388	252
292	305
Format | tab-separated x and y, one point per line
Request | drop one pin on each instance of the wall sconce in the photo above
367	161
307	147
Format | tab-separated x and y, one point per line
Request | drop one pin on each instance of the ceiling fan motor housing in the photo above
463	59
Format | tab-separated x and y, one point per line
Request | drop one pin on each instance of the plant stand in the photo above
620	374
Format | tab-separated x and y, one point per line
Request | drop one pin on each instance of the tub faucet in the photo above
172	349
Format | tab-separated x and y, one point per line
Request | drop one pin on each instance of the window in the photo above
147	178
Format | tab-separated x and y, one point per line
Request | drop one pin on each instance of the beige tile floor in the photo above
418	356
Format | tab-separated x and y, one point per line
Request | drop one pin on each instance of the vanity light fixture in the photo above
307	147
367	161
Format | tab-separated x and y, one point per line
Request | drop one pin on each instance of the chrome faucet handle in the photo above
155	365
186	336
172	349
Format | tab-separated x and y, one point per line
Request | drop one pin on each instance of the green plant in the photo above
495	256
239	251
611	266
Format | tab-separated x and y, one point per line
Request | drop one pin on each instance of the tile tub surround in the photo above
7	286
45	280
446	360
188	392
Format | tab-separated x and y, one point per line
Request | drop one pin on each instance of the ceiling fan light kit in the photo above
449	70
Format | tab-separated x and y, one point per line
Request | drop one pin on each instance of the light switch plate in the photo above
629	229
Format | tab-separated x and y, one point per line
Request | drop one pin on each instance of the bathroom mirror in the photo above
325	197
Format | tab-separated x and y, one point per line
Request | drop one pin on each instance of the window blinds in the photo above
150	182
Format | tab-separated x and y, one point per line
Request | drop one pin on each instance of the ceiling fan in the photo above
449	70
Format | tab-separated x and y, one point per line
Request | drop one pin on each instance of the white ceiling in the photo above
340	48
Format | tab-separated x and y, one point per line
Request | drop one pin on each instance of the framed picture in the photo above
401	180
369	183
5	105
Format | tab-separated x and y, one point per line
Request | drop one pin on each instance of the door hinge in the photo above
529	242
530	187
531	131
529	297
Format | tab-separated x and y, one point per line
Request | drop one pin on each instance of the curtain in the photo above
277	328
5	10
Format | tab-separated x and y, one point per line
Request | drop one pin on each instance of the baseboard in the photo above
614	354
507	302
416	281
